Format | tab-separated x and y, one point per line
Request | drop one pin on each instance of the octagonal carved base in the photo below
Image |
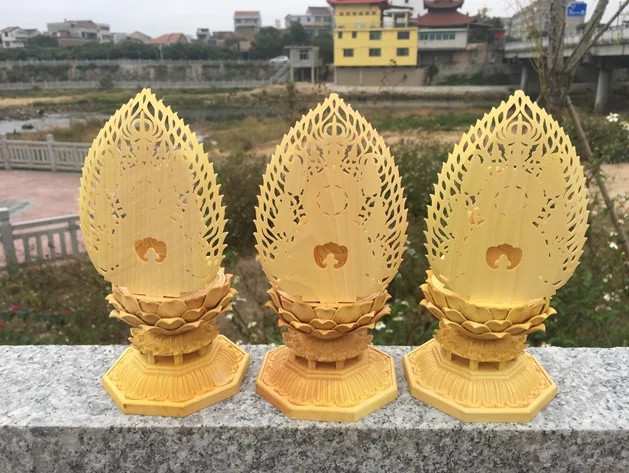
343	391
512	391
167	388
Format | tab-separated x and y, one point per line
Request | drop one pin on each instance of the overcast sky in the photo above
156	17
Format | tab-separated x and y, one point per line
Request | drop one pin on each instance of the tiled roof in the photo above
450	18
442	4
167	38
9	28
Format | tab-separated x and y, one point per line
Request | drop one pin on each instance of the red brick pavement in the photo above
51	194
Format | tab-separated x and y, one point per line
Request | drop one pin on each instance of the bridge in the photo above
611	51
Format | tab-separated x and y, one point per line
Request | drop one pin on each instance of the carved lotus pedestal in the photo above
327	370
178	362
476	369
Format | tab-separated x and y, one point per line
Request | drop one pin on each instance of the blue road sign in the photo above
576	9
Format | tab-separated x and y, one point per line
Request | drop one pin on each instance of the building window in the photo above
431	36
354	34
374	52
304	55
340	34
318	19
348	53
403	35
438	36
402	51
423	36
375	35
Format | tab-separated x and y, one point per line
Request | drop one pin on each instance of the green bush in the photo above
609	141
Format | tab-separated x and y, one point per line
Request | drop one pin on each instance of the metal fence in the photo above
46	239
121	84
49	155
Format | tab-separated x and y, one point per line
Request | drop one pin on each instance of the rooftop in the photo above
167	38
319	11
442	4
445	18
246	13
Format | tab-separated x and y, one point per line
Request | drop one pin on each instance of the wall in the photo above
380	76
130	71
459	41
388	45
357	16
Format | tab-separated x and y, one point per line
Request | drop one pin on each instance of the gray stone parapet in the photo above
55	416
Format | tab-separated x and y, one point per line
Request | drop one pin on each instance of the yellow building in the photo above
366	46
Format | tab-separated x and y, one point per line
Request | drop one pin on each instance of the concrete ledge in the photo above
55	416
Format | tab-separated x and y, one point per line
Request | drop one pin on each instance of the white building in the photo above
80	31
535	17
315	21
16	37
247	23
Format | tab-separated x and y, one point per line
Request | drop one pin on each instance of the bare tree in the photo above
556	75
559	73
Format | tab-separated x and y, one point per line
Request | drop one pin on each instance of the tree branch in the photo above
598	177
588	35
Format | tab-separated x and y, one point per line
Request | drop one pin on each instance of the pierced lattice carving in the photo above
331	222
150	208
508	217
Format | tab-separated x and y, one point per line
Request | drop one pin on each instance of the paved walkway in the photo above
48	194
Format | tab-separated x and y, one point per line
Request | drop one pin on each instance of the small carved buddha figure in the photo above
331	227
154	226
505	229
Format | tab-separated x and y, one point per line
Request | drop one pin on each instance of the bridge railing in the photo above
36	240
49	155
611	36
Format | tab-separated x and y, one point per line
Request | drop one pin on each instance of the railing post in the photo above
73	227
50	142
4	150
6	236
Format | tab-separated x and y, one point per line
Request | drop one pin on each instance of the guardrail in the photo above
120	62
93	84
49	239
612	36
49	155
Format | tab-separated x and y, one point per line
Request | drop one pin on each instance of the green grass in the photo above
446	121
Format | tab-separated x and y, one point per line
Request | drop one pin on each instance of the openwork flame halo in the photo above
331	223
508	217
151	212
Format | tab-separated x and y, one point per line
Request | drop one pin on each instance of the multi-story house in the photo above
16	37
316	20
247	23
203	35
374	44
444	33
75	32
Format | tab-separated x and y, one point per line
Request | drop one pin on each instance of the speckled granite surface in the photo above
56	417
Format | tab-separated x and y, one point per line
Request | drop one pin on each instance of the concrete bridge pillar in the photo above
524	77
603	88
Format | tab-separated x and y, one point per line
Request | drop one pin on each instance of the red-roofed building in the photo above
444	35
170	38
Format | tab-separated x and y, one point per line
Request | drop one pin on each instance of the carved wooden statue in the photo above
331	227
153	225
506	228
